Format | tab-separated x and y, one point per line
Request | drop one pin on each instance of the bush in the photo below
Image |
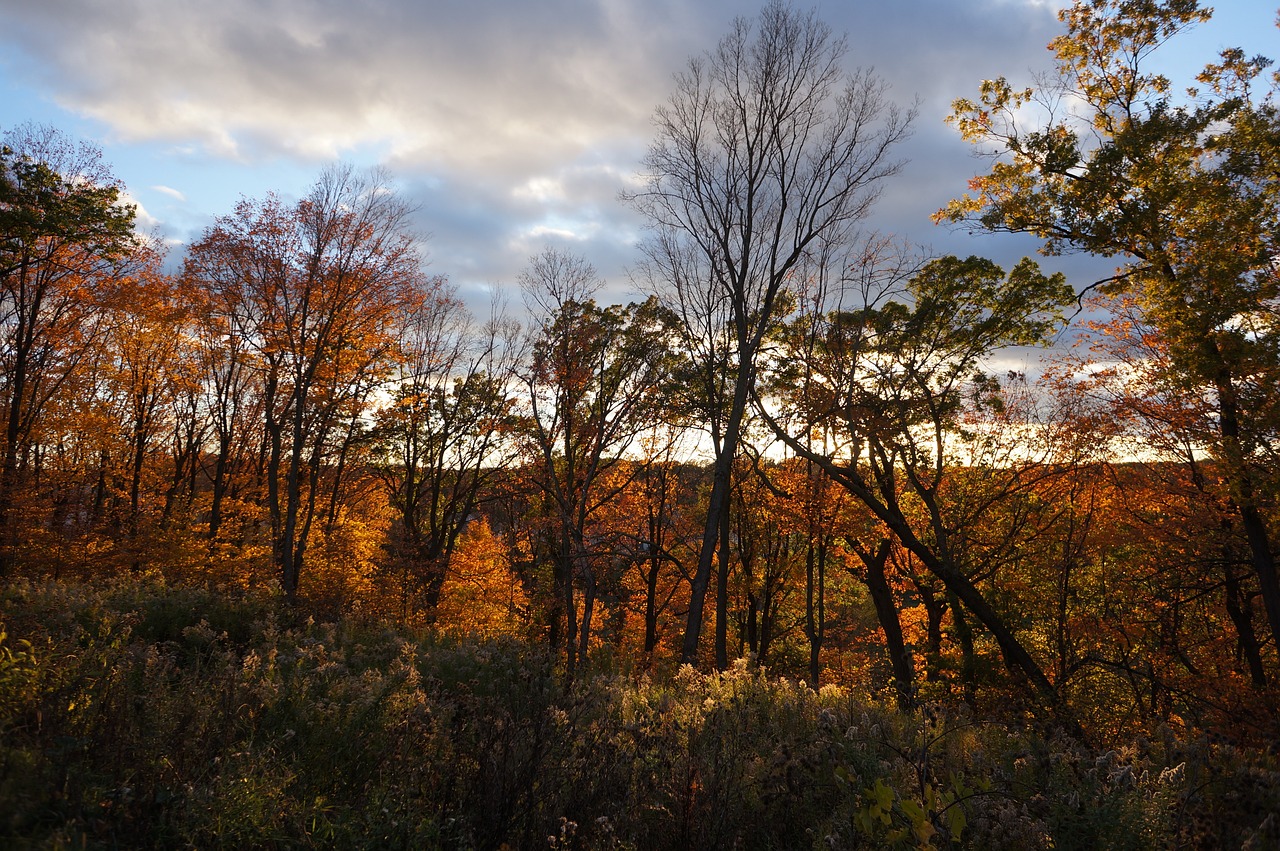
146	716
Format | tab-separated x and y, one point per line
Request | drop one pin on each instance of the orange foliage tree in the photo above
444	435
316	291
67	239
588	388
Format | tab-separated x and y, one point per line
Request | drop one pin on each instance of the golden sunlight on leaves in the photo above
482	596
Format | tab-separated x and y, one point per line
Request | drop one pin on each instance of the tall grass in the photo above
147	716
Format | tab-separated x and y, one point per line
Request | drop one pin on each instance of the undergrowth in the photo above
147	716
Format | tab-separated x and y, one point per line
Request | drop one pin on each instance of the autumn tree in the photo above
145	375
231	387
655	522
1172	491
766	149
481	595
64	236
821	504
766	557
589	387
317	289
1183	191
445	432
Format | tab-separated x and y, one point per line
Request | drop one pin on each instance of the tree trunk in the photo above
964	637
220	480
717	516
815	605
722	597
651	611
1247	639
1243	495
887	615
13	433
588	610
935	610
271	472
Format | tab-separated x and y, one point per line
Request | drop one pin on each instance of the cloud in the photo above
171	192
142	220
439	82
453	83
508	122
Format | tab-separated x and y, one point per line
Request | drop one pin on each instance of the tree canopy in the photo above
1183	188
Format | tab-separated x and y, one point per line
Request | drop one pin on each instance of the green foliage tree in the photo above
1185	192
890	381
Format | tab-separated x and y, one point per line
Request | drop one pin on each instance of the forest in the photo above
296	550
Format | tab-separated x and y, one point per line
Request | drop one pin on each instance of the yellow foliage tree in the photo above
481	596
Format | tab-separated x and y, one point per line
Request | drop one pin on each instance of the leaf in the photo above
915	812
882	795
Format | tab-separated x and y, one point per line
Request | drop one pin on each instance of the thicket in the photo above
145	715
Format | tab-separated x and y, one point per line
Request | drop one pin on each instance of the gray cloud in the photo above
513	124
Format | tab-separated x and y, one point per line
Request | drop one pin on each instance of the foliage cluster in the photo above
142	715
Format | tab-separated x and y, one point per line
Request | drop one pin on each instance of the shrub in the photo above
141	715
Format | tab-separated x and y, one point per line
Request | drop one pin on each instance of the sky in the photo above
511	125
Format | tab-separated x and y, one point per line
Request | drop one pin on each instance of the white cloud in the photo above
171	192
540	190
142	220
547	233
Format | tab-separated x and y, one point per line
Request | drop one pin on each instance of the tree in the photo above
445	433
890	383
481	596
232	389
655	523
876	579
1163	425
64	237
145	368
589	386
1185	193
317	289
769	537
766	151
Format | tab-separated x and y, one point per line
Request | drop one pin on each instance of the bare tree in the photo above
767	149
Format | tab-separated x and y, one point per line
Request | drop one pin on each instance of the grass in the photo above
148	716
